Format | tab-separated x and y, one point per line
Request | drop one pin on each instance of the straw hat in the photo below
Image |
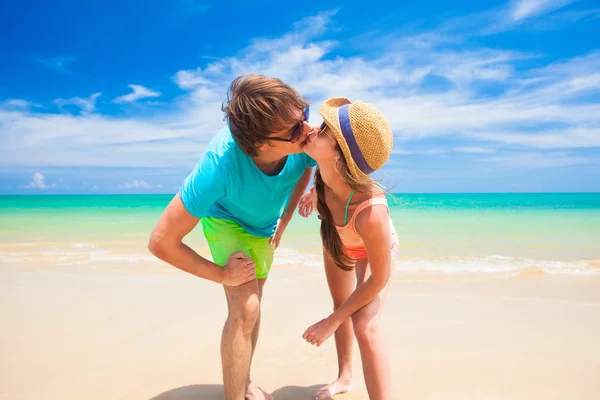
363	133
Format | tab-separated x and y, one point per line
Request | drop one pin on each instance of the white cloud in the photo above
424	151
548	107
557	19
38	181
400	151
539	160
569	138
86	105
19	103
158	186
522	9
516	15
473	149
136	184
189	79
139	92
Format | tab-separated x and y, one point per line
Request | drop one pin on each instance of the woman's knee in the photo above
337	303
366	327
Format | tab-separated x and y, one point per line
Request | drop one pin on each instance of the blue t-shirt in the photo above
226	183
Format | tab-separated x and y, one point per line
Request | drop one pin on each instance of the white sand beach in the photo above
115	334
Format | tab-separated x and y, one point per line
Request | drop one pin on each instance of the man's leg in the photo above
261	252
236	343
253	390
261	284
240	333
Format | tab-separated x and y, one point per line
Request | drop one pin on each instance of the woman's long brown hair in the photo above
329	234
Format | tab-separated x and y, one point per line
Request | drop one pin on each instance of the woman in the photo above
359	239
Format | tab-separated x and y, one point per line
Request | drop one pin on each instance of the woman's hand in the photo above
321	331
305	206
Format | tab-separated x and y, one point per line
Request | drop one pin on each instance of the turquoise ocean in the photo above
482	233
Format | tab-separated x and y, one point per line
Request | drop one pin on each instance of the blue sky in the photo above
123	96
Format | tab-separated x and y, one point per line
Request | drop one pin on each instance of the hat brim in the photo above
329	112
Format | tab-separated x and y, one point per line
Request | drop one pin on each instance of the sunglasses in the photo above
296	130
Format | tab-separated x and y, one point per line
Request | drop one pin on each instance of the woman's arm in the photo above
374	227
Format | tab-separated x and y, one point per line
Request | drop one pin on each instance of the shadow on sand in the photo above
215	392
193	392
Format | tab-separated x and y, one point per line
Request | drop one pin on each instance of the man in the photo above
250	171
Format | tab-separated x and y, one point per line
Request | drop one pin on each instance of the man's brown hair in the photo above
257	106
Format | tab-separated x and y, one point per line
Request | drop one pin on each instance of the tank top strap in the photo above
366	204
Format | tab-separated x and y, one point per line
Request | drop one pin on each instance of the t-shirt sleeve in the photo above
203	187
309	161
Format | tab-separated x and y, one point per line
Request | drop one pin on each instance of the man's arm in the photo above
296	195
166	243
291	205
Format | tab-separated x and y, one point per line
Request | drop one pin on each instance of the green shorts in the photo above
226	237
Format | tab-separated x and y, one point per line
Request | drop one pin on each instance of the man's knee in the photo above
244	312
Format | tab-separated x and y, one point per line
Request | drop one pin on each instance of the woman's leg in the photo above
341	285
367	328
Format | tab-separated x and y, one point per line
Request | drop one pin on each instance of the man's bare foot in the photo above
336	387
256	393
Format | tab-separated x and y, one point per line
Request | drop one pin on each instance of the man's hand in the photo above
305	207
276	238
238	270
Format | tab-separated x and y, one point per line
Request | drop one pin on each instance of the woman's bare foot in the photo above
336	387
255	393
